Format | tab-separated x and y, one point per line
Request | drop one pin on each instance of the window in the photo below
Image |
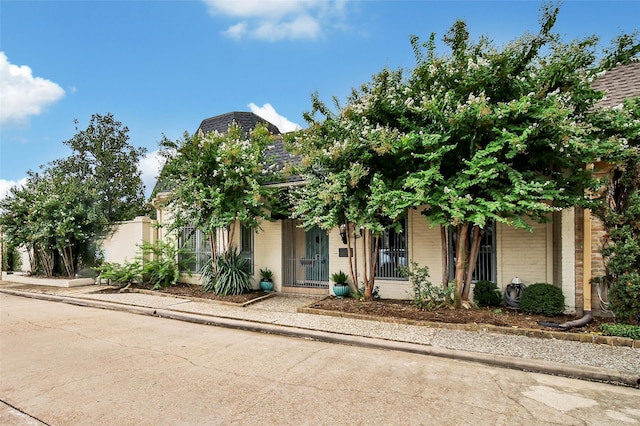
246	245
197	244
486	266
392	252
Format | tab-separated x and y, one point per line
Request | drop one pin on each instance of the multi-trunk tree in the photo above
483	134
61	212
53	217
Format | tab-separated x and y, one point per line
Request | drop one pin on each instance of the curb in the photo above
538	366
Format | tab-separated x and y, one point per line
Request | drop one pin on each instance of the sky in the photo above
161	67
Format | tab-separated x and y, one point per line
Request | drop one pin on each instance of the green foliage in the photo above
52	212
360	293
339	277
69	205
426	296
266	274
232	276
621	330
624	298
105	161
542	298
160	262
479	134
486	293
11	260
123	274
218	180
620	207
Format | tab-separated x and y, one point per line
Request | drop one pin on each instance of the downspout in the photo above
587	316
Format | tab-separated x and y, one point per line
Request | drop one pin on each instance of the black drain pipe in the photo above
586	319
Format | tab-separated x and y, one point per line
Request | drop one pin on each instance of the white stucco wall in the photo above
267	253
123	244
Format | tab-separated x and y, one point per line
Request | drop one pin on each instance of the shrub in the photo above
232	277
624	298
163	269
621	330
11	260
486	293
359	294
542	298
122	274
426	296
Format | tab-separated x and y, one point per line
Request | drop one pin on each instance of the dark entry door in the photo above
317	255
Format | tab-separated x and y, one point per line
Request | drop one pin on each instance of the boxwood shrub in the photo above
486	293
542	298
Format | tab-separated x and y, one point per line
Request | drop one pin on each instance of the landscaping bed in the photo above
402	310
193	291
405	310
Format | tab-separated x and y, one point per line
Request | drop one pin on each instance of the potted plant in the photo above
340	286
266	279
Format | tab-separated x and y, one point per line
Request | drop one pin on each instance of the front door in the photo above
317	255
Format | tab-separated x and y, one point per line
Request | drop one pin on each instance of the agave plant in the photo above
232	278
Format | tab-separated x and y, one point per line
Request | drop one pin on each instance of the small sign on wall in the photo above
343	252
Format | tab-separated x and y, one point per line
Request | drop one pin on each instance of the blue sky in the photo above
161	67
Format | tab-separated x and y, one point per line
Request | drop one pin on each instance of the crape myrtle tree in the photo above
343	155
218	180
481	134
61	213
53	214
498	134
105	160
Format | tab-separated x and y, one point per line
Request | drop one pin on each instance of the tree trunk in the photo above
214	252
374	265
444	238
67	259
477	235
461	252
353	258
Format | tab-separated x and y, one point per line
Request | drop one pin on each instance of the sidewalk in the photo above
280	315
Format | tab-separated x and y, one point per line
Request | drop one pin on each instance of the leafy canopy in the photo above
218	179
105	160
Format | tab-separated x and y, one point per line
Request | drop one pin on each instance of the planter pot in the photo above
341	290
266	285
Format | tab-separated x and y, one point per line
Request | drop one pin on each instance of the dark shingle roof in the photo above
247	120
279	155
619	83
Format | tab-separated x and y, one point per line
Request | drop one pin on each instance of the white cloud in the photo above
150	166
23	95
275	20
6	185
269	113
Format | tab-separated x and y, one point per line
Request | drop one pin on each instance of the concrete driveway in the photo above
70	365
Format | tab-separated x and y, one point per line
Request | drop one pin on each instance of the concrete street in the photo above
67	365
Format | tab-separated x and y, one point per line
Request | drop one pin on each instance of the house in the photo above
564	251
303	260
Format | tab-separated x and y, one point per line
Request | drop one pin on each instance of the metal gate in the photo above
305	256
